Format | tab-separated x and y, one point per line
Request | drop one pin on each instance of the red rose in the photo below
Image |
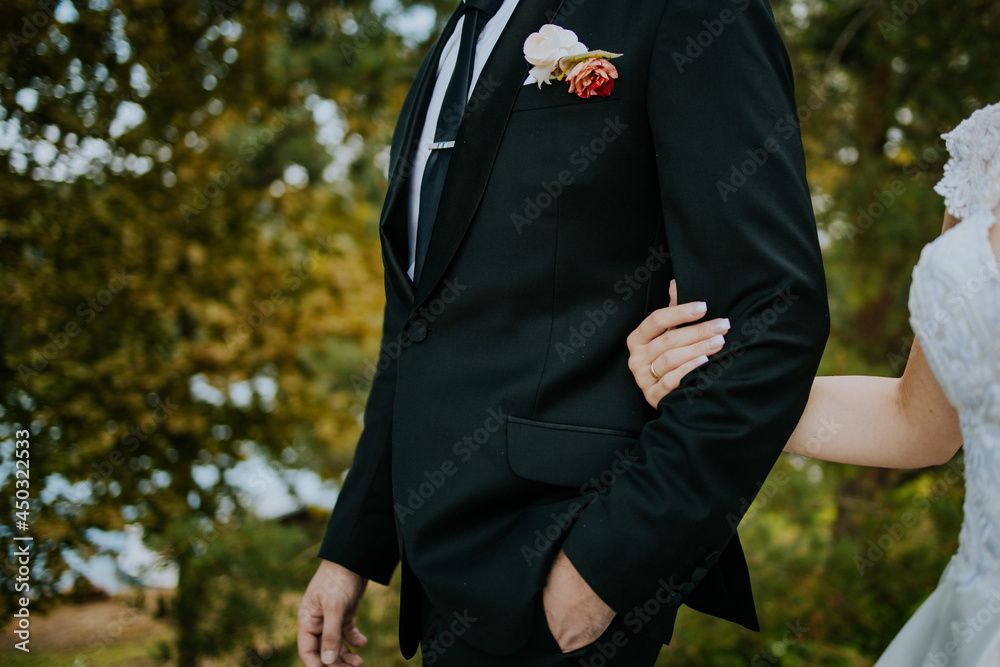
594	76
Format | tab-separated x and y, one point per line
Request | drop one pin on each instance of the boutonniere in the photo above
557	53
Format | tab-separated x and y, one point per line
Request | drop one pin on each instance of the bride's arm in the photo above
881	422
872	421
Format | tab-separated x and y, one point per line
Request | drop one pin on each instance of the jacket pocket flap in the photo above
567	455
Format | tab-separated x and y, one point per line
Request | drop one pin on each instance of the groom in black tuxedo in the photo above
542	513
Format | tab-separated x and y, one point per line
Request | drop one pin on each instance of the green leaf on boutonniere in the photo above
566	63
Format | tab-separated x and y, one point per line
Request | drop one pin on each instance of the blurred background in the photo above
190	305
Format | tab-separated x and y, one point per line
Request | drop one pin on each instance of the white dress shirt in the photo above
446	67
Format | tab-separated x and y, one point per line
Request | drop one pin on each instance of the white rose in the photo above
544	48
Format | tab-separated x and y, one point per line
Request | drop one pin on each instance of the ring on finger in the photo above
652	371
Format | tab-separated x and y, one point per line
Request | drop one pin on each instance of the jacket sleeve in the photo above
739	223
361	533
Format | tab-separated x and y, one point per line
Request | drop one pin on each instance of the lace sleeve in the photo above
971	182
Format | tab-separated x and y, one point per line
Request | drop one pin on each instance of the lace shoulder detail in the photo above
971	182
955	312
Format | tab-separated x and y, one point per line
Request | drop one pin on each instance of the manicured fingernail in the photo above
327	657
700	360
716	342
699	308
673	282
722	326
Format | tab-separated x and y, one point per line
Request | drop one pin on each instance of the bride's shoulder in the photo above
971	182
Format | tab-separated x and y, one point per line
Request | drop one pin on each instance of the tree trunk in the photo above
186	609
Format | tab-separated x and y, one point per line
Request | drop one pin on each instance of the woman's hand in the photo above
660	354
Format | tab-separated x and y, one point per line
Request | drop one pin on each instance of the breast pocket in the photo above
556	94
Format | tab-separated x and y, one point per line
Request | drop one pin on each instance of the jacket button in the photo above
417	332
675	599
687	587
698	574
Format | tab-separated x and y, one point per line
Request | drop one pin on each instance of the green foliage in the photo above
171	287
233	577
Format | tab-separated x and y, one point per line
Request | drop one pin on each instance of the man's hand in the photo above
326	618
575	614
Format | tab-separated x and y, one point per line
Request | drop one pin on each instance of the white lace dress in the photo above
955	312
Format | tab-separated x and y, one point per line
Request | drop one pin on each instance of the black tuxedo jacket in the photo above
503	422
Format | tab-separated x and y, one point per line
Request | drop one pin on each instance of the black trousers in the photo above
442	645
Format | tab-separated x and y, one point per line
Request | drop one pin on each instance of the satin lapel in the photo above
393	223
479	138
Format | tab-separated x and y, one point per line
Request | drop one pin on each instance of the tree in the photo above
190	270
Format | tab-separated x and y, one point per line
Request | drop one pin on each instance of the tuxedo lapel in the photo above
479	137
393	225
